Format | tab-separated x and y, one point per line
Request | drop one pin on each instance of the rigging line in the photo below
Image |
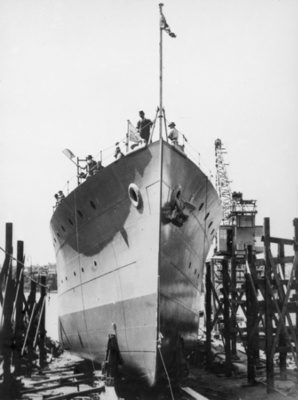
20	262
163	363
79	260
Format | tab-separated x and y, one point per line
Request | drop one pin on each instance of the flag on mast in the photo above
163	23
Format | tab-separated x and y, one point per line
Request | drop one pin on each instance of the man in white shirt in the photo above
173	135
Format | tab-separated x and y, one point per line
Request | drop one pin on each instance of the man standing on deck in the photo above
143	127
173	135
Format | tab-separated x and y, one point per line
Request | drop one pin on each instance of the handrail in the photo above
107	157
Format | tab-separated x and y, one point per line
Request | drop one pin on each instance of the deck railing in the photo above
107	156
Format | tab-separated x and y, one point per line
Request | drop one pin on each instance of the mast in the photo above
163	26
160	75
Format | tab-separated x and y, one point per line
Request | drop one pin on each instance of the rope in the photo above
31	279
163	363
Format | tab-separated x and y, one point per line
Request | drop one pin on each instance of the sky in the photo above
73	72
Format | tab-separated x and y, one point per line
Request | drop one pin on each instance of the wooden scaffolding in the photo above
267	295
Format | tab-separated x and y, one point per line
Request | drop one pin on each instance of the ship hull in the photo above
128	265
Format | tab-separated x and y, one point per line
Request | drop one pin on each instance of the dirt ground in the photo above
212	384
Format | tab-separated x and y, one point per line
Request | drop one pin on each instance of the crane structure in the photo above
223	182
233	204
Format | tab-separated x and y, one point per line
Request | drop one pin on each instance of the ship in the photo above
131	242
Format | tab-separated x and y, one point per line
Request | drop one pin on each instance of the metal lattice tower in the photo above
223	182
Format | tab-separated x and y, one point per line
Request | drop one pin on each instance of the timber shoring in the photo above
22	323
269	306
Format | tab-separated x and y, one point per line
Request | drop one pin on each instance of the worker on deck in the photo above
118	153
173	135
90	166
60	196
143	127
57	198
99	166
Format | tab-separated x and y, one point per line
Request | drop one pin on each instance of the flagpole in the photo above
160	77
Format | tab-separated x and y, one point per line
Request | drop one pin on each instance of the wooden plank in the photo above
57	385
99	389
272	239
194	394
58	378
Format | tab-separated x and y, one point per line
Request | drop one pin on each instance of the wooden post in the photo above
282	338
6	333
208	310
268	310
19	324
254	278
42	329
295	223
31	306
233	306
227	332
252	315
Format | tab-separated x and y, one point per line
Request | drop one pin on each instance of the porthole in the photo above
70	221
135	195
83	270
80	214
58	234
92	204
63	228
201	206
195	271
189	265
207	215
95	263
212	231
66	278
75	274
210	224
55	240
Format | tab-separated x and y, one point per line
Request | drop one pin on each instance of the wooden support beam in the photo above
60	379
252	317
268	310
58	385
295	224
277	240
208	310
19	328
282	340
29	339
42	329
234	306
227	332
99	389
6	331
